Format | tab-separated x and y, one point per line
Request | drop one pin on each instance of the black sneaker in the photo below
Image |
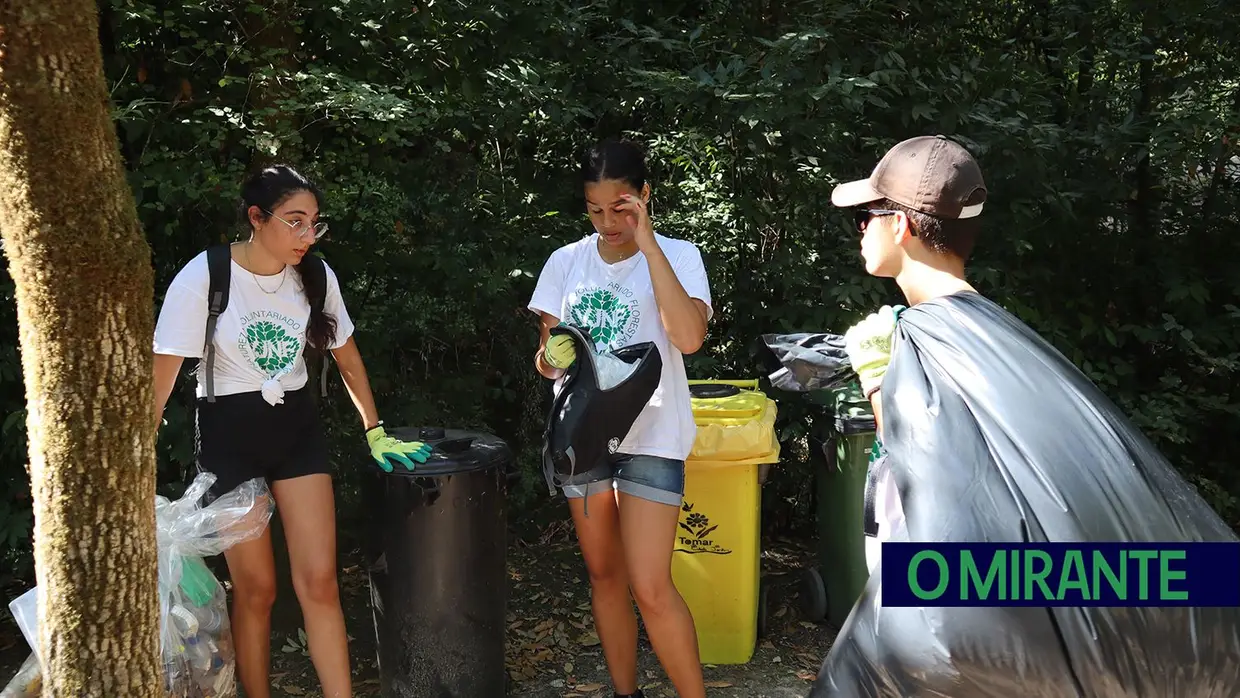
639	694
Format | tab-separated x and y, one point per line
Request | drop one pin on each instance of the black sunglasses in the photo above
862	216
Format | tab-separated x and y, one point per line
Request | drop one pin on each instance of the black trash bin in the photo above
437	564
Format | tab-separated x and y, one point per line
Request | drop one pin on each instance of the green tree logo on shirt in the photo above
608	318
270	347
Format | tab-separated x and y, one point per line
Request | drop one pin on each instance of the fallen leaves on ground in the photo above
555	652
549	626
553	649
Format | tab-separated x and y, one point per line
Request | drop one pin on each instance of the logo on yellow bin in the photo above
695	535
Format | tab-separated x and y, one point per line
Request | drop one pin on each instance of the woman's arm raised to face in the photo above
684	317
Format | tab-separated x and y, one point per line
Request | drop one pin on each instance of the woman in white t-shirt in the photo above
628	284
262	421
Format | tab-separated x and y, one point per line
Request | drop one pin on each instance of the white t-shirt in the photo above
888	513
259	336
617	302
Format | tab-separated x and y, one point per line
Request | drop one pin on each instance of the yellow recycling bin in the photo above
716	564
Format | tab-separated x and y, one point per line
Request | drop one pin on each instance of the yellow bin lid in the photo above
726	401
736	422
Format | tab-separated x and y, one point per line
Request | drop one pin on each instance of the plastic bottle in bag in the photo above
199	655
207	679
211	618
185	622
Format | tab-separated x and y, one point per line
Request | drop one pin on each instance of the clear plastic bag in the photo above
27	682
25	610
612	371
195	633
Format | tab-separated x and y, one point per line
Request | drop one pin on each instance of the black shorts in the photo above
240	437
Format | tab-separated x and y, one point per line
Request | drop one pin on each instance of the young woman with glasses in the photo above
263	422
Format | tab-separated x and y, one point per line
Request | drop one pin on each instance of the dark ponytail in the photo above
321	330
267	190
618	159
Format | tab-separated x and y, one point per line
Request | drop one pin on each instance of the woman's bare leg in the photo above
308	512
614	619
648	530
252	569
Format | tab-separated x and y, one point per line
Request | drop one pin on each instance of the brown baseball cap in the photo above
931	174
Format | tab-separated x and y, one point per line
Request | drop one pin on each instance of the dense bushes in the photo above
445	135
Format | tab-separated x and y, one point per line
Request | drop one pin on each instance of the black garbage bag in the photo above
817	361
809	361
993	435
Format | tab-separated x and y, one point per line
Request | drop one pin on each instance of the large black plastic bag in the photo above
809	361
993	435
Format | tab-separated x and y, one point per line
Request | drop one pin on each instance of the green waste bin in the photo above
841	453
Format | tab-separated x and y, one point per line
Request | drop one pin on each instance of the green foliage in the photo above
445	135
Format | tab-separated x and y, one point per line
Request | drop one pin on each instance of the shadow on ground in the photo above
552	649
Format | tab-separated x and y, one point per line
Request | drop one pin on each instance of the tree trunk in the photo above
85	318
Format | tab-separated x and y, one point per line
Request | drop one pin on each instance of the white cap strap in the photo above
971	211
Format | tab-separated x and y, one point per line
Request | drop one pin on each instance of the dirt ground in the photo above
552	651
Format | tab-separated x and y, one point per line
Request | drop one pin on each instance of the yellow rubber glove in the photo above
387	449
560	351
868	344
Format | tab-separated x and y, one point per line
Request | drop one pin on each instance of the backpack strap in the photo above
219	266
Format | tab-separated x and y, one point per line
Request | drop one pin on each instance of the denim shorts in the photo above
652	478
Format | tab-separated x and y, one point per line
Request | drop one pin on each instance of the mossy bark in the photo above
85	313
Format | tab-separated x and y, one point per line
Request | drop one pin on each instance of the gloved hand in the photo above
560	351
868	344
384	449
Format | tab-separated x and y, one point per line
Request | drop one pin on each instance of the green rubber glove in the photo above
560	351
385	449
868	344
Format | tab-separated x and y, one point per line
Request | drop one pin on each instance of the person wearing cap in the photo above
919	216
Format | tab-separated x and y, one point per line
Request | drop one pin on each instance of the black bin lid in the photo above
454	451
713	391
